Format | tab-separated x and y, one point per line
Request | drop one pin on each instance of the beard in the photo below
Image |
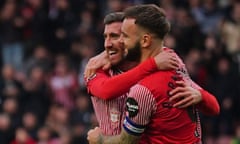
134	54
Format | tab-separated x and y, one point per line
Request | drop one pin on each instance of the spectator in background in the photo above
10	87
79	134
6	132
61	24
37	94
30	123
34	16
192	61
58	121
11	40
113	6
85	24
22	137
230	30
41	58
209	16
63	83
222	86
43	135
86	53
81	113
186	32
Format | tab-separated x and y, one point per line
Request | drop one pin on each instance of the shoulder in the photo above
157	78
155	83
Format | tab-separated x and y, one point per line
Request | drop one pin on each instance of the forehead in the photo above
129	25
114	27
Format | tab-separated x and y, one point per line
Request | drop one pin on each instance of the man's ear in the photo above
146	40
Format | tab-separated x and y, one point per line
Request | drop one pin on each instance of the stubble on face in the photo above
131	40
112	44
134	53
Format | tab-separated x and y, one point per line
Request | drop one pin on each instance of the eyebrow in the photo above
124	33
112	34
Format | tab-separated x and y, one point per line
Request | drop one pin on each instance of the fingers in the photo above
186	104
92	135
175	91
106	66
184	95
88	135
90	68
89	73
181	83
99	61
90	131
174	65
183	103
178	96
166	61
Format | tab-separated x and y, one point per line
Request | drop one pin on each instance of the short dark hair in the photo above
150	17
113	17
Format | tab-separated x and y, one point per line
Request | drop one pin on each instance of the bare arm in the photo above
123	138
95	137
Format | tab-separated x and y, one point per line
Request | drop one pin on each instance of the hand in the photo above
99	61
94	136
185	95
166	60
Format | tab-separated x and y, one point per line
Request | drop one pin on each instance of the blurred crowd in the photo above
45	45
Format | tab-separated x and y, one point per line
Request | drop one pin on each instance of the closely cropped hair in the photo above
113	17
150	17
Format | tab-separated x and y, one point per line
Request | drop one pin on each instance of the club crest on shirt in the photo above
114	115
132	107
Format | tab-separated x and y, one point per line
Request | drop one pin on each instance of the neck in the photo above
155	48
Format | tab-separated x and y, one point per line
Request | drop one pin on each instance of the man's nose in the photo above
108	43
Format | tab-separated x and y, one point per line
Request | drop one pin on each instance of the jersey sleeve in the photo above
209	104
140	106
105	87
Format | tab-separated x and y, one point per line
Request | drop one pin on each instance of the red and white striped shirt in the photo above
110	114
110	94
104	86
151	115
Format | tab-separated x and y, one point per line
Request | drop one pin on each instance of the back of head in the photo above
113	17
150	17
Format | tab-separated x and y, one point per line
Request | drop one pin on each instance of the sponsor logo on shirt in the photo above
132	107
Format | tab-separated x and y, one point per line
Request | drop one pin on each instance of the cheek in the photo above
130	44
126	43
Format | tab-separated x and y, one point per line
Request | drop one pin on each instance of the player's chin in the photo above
115	60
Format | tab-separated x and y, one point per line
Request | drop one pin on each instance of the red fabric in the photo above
108	88
165	124
209	104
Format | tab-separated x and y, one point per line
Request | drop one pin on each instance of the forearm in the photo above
209	104
123	138
112	87
110	139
